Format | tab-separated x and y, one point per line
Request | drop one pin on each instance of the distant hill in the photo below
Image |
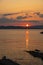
36	27
21	27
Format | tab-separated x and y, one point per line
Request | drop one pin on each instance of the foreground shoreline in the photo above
36	53
6	61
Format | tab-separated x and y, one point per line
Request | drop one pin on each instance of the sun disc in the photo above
27	25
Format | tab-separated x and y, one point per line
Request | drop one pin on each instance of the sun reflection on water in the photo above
27	39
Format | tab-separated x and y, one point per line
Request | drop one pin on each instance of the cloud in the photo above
11	21
6	20
23	17
37	13
34	21
10	14
41	15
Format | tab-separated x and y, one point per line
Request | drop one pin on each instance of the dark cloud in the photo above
21	17
6	20
10	14
41	15
10	21
37	13
30	16
30	21
34	21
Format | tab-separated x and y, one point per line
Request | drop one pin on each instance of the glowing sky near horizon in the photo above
23	8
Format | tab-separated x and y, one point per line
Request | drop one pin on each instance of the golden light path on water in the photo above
27	39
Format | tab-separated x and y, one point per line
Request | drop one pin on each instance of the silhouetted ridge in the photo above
21	27
5	61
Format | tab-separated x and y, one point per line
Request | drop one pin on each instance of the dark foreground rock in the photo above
5	61
36	53
41	32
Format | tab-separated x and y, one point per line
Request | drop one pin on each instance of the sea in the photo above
15	42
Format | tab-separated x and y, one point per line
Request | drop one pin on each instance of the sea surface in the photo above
14	43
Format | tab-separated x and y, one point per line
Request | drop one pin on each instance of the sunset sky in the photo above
21	12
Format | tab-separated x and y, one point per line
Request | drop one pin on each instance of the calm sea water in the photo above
13	44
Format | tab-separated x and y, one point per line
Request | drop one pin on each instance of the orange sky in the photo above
21	11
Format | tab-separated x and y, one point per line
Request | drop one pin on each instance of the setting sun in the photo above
27	25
